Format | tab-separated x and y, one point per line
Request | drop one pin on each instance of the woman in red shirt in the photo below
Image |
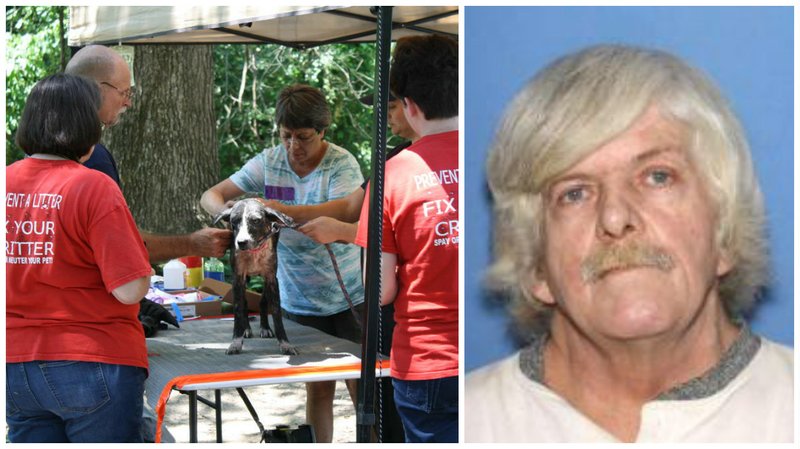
76	268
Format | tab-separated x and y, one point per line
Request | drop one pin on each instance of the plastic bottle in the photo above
194	270
213	269
173	275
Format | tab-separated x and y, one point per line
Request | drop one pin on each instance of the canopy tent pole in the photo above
372	288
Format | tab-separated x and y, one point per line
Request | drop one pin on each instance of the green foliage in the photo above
34	48
249	78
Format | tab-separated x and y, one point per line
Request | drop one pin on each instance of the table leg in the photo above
218	402
193	416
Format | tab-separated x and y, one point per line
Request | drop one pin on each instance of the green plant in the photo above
249	78
35	48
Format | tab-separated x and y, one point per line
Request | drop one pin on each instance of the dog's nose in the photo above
242	244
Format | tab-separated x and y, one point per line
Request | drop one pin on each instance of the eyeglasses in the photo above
302	139
127	93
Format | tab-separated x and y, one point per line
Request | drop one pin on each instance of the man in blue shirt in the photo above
113	76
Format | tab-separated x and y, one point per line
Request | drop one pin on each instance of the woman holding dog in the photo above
76	268
306	169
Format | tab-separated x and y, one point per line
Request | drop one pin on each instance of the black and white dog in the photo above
254	251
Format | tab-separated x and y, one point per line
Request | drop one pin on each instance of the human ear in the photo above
725	262
410	108
541	290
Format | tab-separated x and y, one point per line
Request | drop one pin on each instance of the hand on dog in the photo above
210	242
329	230
273	204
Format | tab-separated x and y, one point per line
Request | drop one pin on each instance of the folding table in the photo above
193	358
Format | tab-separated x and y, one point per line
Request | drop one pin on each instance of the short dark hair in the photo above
60	117
425	69
302	106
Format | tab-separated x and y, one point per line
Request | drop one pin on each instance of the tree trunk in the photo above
166	143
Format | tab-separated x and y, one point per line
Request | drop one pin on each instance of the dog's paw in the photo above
248	333
235	347
267	333
288	348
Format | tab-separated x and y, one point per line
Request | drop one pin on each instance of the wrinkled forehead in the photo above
653	131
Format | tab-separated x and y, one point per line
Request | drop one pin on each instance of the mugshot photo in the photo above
629	213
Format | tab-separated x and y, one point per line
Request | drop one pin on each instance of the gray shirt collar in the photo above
735	359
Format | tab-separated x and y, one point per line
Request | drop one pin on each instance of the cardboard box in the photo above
198	308
225	290
209	288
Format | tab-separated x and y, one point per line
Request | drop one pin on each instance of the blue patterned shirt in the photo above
307	281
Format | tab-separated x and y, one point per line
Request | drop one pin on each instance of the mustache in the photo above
620	257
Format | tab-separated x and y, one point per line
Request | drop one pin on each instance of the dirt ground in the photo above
275	405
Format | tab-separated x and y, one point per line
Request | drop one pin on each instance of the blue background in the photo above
748	51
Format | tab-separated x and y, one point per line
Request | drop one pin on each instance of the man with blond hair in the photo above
629	235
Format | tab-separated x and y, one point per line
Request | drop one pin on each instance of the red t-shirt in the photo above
70	241
420	225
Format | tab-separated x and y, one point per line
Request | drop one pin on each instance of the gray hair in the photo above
585	99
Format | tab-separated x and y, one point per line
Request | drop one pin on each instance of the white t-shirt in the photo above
503	405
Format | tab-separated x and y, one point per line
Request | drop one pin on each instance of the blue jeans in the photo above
69	401
428	409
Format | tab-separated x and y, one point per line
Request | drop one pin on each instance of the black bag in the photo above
304	433
151	315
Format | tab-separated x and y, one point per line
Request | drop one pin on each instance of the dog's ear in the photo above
224	216
280	219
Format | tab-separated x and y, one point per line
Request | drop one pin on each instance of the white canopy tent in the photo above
293	26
